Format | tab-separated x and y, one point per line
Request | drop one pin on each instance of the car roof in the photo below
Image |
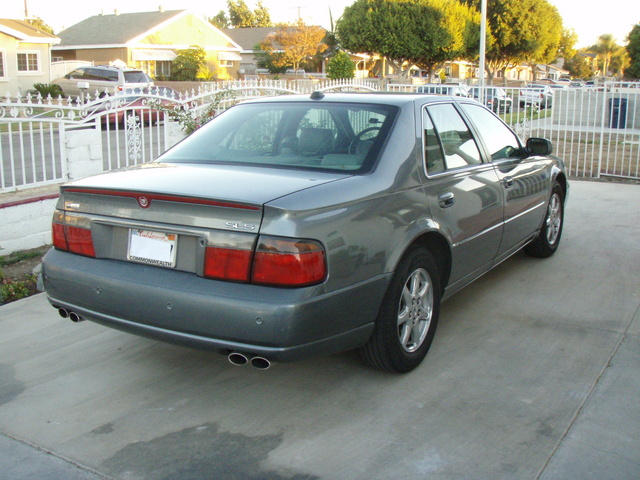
386	98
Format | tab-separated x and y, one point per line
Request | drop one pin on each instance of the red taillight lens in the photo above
72	234
59	240
227	264
80	241
289	263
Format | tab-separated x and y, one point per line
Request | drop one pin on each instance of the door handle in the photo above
508	182
446	199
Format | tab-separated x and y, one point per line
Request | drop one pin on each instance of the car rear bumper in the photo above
177	307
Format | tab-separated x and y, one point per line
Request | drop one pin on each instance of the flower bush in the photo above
188	119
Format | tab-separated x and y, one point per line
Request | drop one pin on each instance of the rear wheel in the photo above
548	240
408	315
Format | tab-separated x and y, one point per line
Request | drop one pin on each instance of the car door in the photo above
524	179
465	195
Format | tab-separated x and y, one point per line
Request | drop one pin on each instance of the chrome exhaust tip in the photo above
260	363
238	359
74	317
63	313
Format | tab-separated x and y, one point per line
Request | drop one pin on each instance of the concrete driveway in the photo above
534	374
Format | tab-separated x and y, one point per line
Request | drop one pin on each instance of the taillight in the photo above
227	264
72	234
288	262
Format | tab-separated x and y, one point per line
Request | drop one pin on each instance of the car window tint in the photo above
136	77
328	136
79	73
459	146
433	156
498	138
257	135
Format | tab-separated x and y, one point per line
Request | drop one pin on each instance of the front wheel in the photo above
408	315
546	243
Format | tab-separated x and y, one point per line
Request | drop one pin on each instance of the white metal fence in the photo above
596	131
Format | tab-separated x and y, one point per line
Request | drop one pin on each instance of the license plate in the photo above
153	248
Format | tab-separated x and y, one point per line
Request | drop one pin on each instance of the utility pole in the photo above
298	7
26	10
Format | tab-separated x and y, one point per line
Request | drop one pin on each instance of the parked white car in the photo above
536	94
104	79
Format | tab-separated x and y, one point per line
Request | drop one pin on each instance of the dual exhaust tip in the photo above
240	359
236	358
73	316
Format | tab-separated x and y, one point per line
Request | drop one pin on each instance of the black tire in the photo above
413	294
546	243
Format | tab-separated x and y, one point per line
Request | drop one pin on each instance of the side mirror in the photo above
539	146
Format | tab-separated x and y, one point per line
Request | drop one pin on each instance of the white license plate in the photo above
153	248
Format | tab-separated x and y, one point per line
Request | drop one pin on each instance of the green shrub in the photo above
341	66
11	290
46	89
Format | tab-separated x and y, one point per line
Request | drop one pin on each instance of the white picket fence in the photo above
48	141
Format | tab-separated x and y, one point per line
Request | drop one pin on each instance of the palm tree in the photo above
605	48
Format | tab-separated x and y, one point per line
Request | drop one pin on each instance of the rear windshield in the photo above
328	136
136	77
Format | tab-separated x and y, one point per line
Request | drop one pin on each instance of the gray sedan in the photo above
306	225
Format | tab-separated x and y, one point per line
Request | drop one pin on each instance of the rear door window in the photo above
443	124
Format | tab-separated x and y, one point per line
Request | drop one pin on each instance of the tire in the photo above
408	316
546	243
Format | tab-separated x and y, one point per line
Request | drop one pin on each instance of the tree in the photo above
520	31
188	63
262	16
605	47
241	16
266	60
40	25
220	20
341	66
567	43
407	32
620	61
294	43
455	35
633	50
578	66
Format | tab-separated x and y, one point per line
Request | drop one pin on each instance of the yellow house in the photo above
24	56
148	41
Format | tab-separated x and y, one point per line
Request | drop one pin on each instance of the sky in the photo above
613	16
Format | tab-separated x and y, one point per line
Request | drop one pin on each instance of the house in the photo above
248	39
24	56
148	41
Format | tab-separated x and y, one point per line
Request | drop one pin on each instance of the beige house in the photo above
149	41
24	56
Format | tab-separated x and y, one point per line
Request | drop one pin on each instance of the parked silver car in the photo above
103	79
305	225
536	94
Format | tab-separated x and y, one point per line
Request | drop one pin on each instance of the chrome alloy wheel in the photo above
415	310
554	219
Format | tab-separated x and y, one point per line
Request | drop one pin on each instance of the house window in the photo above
3	63
28	62
226	63
163	68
